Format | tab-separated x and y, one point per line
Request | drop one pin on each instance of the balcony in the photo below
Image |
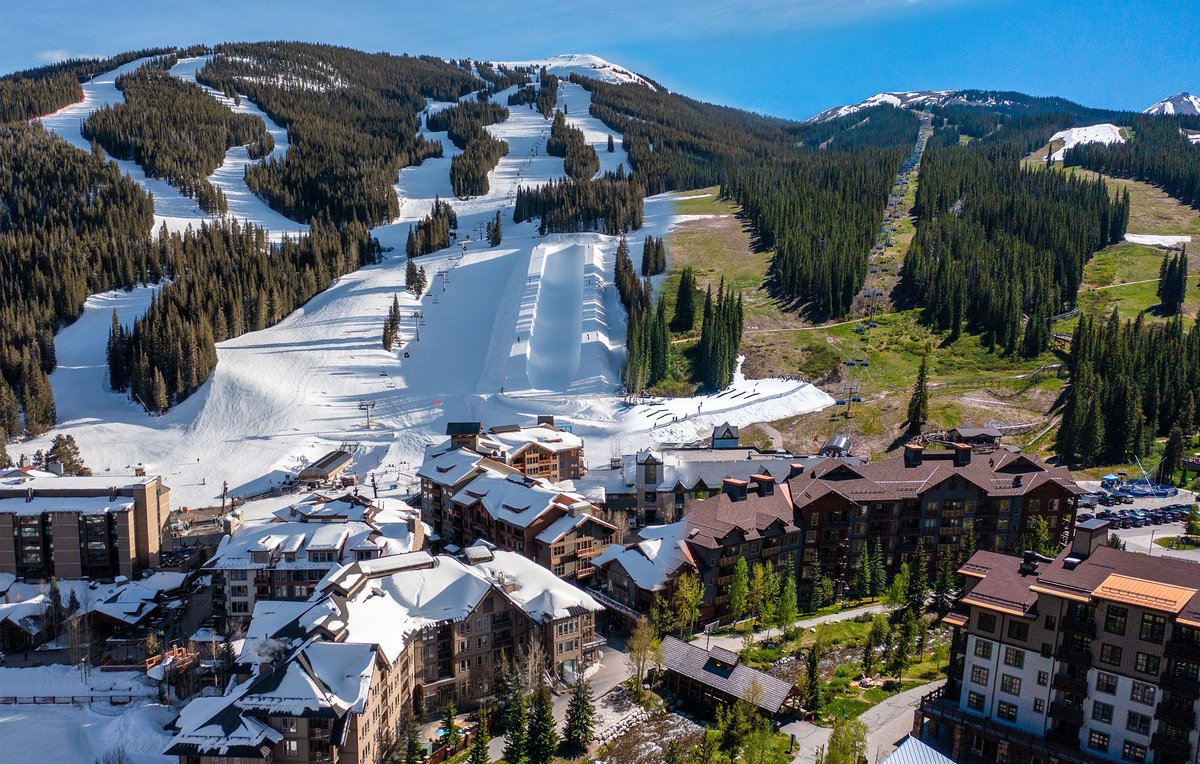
1170	745
1181	650
1076	655
1182	716
1079	626
1183	686
1066	713
1073	685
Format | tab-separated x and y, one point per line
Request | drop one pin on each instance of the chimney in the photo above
913	454
962	454
764	485
24	461
735	489
795	471
55	467
1090	535
615	463
546	419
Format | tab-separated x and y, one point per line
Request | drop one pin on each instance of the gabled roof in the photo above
215	726
568	522
725	431
654	560
716	671
322	679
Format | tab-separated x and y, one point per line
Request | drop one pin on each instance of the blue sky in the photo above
791	58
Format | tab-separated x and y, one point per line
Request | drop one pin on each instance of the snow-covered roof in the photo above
515	499
559	528
163	581
38	481
324	679
234	552
654	560
535	589
448	468
87	505
27	615
215	726
515	438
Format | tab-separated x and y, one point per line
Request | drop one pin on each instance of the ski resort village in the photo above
363	408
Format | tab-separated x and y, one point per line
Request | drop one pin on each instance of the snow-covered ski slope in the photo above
533	326
1102	133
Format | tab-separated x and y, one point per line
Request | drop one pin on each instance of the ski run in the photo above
502	334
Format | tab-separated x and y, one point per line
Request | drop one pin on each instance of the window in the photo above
650	497
1014	657
1097	741
979	675
1010	684
1110	654
1142	693
289	724
1106	683
291	747
1133	752
238	575
1115	618
1102	712
1154	627
1148	664
1007	711
1018	631
1139	723
1039	706
1043	678
975	701
481	624
987	622
1051	623
983	649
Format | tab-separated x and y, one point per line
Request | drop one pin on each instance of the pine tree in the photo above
739	589
496	234
943	584
878	571
515	722
542	739
862	574
65	451
685	302
479	744
814	699
918	583
918	404
414	751
788	606
577	729
56	608
10	412
611	145
453	733
159	401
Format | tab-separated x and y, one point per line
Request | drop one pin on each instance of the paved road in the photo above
887	725
734	642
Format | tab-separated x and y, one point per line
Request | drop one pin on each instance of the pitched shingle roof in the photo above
714	670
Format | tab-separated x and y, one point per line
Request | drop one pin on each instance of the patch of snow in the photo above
585	65
1102	133
87	733
1156	240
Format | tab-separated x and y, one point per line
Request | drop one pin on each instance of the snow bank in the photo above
1156	240
58	679
86	734
1103	133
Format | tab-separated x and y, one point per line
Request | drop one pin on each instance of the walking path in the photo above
734	641
887	725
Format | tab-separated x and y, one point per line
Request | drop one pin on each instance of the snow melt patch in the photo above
1102	133
1156	240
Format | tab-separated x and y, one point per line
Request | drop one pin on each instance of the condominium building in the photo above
1092	656
337	676
80	527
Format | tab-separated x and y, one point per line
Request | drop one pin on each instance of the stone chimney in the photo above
913	454
55	467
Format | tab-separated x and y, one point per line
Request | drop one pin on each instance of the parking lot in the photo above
1141	539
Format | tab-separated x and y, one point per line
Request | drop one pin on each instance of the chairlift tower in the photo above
850	391
368	407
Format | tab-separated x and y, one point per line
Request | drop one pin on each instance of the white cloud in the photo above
55	55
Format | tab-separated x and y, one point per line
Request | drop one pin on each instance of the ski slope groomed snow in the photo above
1157	240
1103	133
533	326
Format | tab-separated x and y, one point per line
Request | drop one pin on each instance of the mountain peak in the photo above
1180	103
